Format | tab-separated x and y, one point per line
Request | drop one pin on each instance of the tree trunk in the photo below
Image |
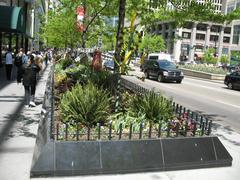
119	42
119	57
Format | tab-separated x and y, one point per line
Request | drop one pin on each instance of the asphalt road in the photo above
211	99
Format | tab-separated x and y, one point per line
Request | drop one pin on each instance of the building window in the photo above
226	39
166	35
230	8
238	4
214	38
202	27
227	30
186	35
200	36
215	29
236	34
187	25
225	51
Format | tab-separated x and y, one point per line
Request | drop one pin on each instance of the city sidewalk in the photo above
18	130
18	127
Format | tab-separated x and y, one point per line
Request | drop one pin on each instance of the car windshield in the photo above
167	64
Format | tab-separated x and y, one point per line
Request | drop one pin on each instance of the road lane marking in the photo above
227	91
228	104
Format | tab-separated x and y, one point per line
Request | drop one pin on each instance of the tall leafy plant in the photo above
154	106
87	105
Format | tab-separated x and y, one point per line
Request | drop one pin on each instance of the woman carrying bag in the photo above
29	75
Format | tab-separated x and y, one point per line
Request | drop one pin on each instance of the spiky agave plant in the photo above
153	105
87	105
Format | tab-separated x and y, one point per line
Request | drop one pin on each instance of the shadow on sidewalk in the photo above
17	116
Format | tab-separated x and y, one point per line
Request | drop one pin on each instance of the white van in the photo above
160	56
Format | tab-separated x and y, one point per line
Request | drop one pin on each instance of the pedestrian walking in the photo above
9	64
45	57
20	59
29	74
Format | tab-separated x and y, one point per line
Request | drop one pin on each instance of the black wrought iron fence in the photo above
186	123
179	110
76	132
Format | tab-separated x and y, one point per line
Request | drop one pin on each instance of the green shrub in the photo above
152	105
205	68
208	56
224	59
87	105
65	62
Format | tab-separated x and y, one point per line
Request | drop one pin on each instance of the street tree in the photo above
152	43
61	28
208	56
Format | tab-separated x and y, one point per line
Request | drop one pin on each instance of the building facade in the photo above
19	24
190	41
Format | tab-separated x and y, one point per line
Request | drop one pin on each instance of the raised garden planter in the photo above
203	75
60	152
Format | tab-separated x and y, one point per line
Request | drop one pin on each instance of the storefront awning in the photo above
11	19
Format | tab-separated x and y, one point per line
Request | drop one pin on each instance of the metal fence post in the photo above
209	128
203	128
77	131
150	131
130	131
57	133
159	129
194	128
66	133
120	131
140	130
110	131
88	133
99	131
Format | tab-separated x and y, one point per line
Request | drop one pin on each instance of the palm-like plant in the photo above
87	105
154	106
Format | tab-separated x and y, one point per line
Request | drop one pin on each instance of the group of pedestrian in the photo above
28	67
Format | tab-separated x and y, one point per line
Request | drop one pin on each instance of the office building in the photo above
193	38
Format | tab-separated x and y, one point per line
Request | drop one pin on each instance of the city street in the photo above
212	99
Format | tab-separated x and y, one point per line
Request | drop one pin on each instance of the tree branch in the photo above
96	15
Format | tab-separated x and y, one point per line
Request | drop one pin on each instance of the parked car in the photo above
109	64
163	70
233	80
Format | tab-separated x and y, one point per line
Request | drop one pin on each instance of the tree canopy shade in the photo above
60	30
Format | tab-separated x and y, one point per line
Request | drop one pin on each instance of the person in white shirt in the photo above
9	64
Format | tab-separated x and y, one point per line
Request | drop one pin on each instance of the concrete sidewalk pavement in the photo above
18	128
19	125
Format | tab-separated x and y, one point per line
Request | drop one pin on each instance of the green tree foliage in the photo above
60	29
152	43
208	56
224	59
235	57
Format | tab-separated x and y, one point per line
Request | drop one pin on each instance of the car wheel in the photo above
146	74
230	86
179	81
160	78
